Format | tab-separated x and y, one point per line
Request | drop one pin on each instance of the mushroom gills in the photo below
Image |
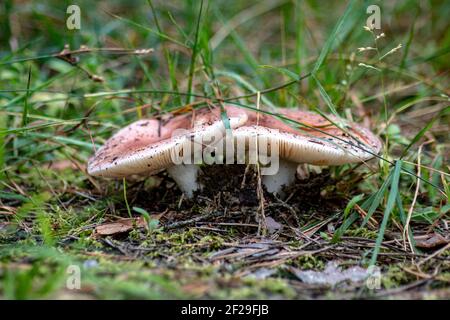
185	176
284	177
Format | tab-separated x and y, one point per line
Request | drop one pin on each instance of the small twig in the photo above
262	229
402	289
115	246
410	211
233	224
435	254
183	223
282	204
84	119
247	169
276	88
66	54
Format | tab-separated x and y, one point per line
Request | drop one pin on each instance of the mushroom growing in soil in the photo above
147	147
319	142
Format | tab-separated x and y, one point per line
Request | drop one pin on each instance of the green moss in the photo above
362	232
308	262
394	277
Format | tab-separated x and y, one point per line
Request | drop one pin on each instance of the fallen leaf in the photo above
332	274
430	241
119	226
272	225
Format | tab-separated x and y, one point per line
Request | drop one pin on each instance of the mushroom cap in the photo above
146	146
322	144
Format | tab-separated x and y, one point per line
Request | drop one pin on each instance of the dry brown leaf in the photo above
430	241
119	226
272	225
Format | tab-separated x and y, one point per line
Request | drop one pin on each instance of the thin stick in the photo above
66	54
284	85
410	211
262	228
434	254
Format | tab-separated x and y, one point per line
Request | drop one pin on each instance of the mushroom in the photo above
318	143
149	146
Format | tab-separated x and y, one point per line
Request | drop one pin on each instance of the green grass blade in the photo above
300	48
25	105
393	194
332	37
344	226
241	45
194	53
245	84
284	71
170	63
125	198
424	130
348	221
409	40
3	124
41	86
325	97
159	34
374	201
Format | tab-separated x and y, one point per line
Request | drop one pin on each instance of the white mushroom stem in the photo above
284	177
185	175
